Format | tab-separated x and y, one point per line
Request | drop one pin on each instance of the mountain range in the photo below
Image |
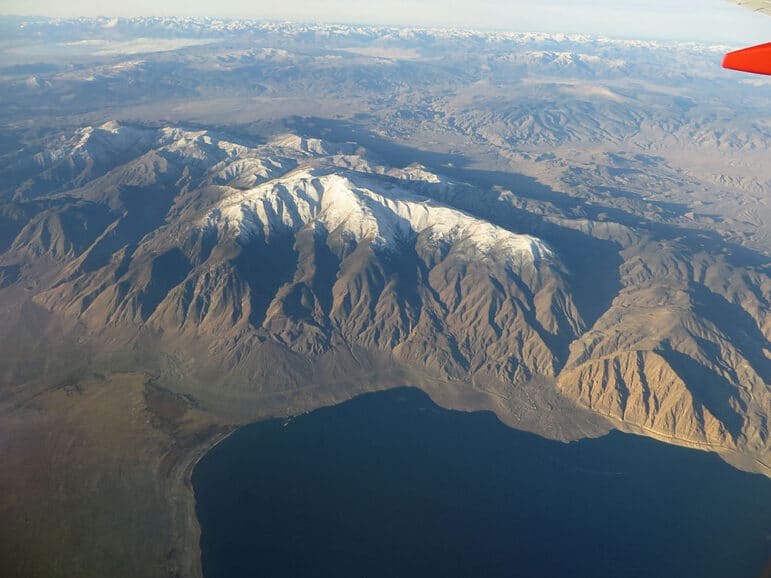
205	222
300	251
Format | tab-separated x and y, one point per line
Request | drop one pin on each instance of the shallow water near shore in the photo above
390	485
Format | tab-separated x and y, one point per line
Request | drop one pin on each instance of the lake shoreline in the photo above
288	454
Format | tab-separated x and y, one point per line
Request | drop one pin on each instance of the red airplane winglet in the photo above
756	59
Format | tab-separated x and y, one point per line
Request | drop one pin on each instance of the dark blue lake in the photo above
390	485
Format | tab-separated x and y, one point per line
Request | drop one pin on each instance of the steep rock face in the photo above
62	233
641	388
680	352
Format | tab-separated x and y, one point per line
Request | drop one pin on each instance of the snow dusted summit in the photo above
371	204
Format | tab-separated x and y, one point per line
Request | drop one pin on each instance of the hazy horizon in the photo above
705	20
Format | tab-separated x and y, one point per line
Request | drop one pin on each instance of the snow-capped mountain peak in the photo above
362	209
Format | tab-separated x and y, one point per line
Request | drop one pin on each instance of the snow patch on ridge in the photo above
363	209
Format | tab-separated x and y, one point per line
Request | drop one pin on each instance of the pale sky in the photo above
705	20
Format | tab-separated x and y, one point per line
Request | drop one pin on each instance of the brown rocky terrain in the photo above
222	281
539	227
